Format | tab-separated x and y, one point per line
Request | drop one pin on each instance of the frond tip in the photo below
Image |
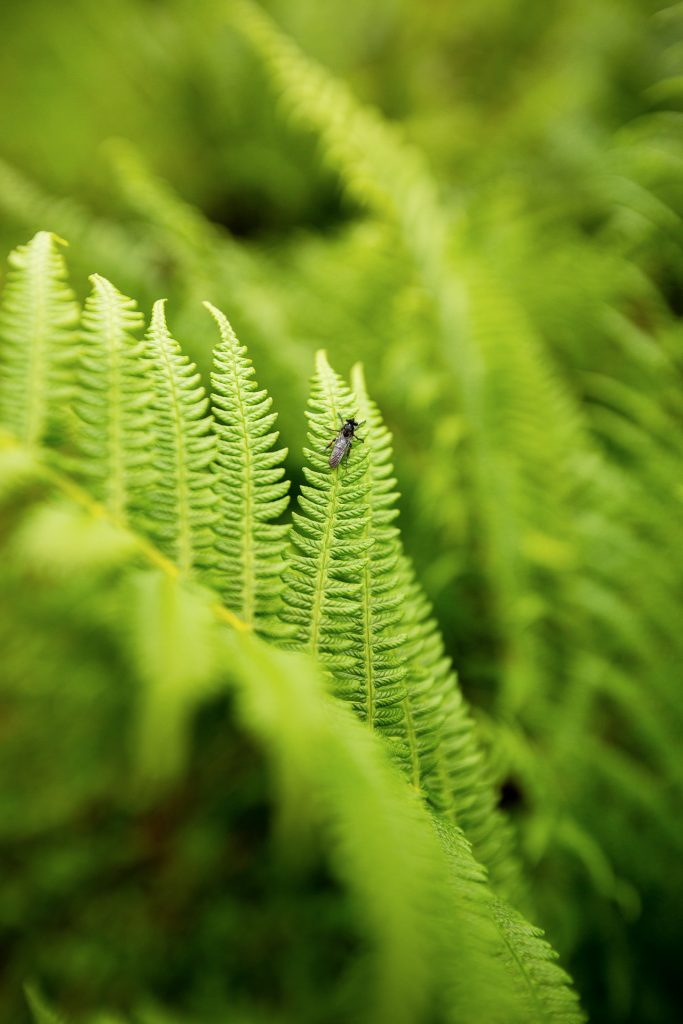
182	509
251	487
114	402
37	330
329	544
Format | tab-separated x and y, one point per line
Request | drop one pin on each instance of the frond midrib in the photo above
248	596
116	487
319	589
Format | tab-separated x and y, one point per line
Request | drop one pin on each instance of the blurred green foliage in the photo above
490	218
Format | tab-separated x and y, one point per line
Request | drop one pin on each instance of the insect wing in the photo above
340	446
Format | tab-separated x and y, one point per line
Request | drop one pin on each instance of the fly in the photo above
342	443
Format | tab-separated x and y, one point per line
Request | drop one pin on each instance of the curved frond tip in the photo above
251	484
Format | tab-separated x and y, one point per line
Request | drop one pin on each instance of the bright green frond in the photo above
427	948
456	778
182	506
114	402
330	544
435	733
37	339
251	487
536	988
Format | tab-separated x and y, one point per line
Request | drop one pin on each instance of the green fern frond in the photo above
37	330
436	731
251	487
114	402
182	505
443	927
540	989
330	545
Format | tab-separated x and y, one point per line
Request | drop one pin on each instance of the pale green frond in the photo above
37	340
182	505
114	402
251	485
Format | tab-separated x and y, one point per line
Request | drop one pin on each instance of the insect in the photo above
343	440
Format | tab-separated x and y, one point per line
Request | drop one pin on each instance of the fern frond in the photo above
182	505
436	731
114	402
423	906
251	487
37	332
443	927
459	782
541	989
330	544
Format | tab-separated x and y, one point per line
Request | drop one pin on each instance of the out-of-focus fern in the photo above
40	1011
133	256
251	485
182	508
37	328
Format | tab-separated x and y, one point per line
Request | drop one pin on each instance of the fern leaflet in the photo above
114	402
182	503
37	328
251	485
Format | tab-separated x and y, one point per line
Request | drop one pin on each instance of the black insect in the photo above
343	440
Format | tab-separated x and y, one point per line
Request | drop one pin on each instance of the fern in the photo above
251	487
329	545
182	503
114	402
430	930
37	322
444	758
436	941
352	599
